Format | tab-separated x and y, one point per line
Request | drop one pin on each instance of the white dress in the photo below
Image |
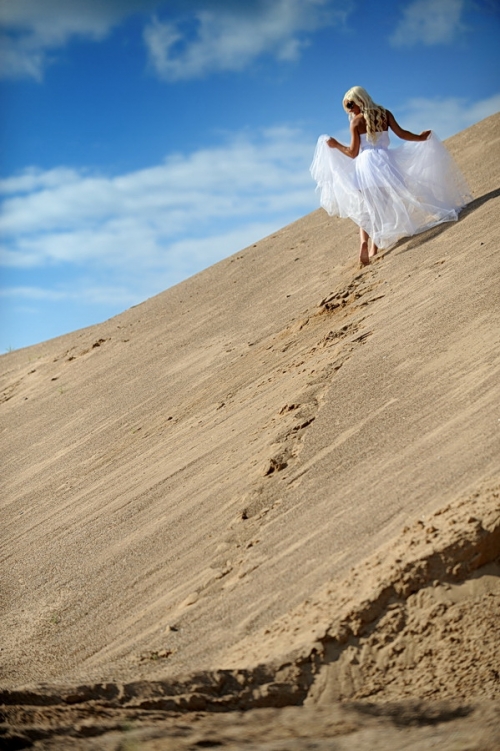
390	192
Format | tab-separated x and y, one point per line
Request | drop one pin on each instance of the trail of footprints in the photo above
314	349
319	363
308	353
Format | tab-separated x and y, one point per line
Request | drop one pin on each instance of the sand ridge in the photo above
420	618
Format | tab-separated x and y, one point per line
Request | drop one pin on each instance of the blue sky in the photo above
144	140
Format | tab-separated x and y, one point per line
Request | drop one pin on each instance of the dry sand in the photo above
274	485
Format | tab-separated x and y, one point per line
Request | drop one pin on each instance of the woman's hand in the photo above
406	135
351	151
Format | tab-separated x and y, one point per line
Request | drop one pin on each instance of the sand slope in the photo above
180	479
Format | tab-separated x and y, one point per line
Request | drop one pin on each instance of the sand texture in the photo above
261	510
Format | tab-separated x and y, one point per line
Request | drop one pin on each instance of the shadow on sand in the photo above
430	234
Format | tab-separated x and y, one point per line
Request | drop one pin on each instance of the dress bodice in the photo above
382	141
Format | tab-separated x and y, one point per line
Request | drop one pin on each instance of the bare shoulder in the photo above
358	123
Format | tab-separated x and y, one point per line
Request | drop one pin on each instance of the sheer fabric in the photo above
390	192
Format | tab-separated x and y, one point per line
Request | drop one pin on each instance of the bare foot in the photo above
364	258
373	251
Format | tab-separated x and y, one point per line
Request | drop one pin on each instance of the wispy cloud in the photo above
33	30
153	227
190	38
429	22
230	36
446	115
33	179
32	293
88	293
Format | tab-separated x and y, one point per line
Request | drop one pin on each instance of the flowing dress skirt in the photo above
390	192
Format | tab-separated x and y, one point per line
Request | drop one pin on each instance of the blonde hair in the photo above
375	115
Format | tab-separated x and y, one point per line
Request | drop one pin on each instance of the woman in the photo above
389	193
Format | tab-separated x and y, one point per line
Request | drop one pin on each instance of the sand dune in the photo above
284	471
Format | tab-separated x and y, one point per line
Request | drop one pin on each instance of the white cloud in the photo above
33	179
31	293
34	29
228	34
89	294
152	228
231	36
429	22
445	115
82	247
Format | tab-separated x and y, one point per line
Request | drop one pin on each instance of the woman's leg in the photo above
374	250
364	258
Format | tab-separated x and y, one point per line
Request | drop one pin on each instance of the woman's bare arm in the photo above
353	149
406	135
